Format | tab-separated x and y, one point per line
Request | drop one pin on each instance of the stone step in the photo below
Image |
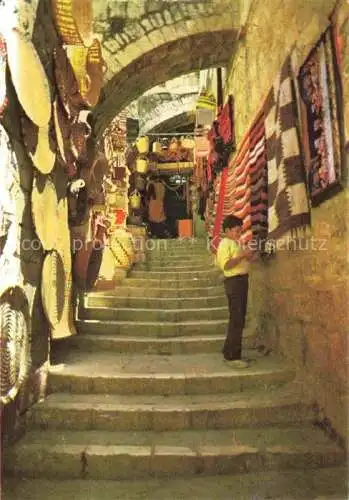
108	373
322	483
136	314
169	413
166	275
176	267
152	328
100	300
153	345
182	281
177	257
126	455
192	292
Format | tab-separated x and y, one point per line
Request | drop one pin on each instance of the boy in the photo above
234	261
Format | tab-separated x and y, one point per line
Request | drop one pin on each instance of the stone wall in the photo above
299	298
37	22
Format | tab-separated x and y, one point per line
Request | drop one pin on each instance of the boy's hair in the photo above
231	221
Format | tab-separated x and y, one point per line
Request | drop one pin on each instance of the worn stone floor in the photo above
319	484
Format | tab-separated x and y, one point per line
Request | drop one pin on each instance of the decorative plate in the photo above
29	78
15	342
44	211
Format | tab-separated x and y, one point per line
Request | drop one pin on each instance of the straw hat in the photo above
44	157
15	341
44	211
3	63
52	287
29	78
74	21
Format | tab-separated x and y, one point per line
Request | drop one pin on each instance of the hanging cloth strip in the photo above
288	207
217	227
259	180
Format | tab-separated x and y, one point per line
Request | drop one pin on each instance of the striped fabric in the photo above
259	180
242	189
288	207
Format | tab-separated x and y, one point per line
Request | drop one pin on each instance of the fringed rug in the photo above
288	207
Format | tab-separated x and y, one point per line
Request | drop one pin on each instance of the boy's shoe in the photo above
238	364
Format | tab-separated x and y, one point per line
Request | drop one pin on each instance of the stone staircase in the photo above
142	393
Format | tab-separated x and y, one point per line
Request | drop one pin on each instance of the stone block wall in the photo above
299	298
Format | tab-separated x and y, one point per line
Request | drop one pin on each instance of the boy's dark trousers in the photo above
236	289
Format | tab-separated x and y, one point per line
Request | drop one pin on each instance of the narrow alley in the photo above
174	249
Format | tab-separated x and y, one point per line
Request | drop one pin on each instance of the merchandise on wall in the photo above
318	81
15	341
288	205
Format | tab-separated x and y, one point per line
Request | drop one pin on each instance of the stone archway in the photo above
155	41
168	61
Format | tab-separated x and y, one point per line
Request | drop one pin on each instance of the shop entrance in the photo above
169	205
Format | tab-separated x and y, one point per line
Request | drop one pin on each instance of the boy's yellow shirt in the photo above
229	249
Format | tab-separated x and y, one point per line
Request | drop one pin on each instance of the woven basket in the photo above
29	78
44	211
142	144
52	287
74	21
121	246
15	341
65	327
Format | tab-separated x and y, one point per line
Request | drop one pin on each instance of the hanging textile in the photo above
226	123
320	120
259	180
218	221
288	207
242	189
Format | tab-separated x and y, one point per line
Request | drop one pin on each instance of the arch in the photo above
167	61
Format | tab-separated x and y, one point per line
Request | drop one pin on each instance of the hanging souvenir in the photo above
65	326
44	211
3	63
142	144
157	148
135	200
52	287
142	165
74	21
29	78
15	341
